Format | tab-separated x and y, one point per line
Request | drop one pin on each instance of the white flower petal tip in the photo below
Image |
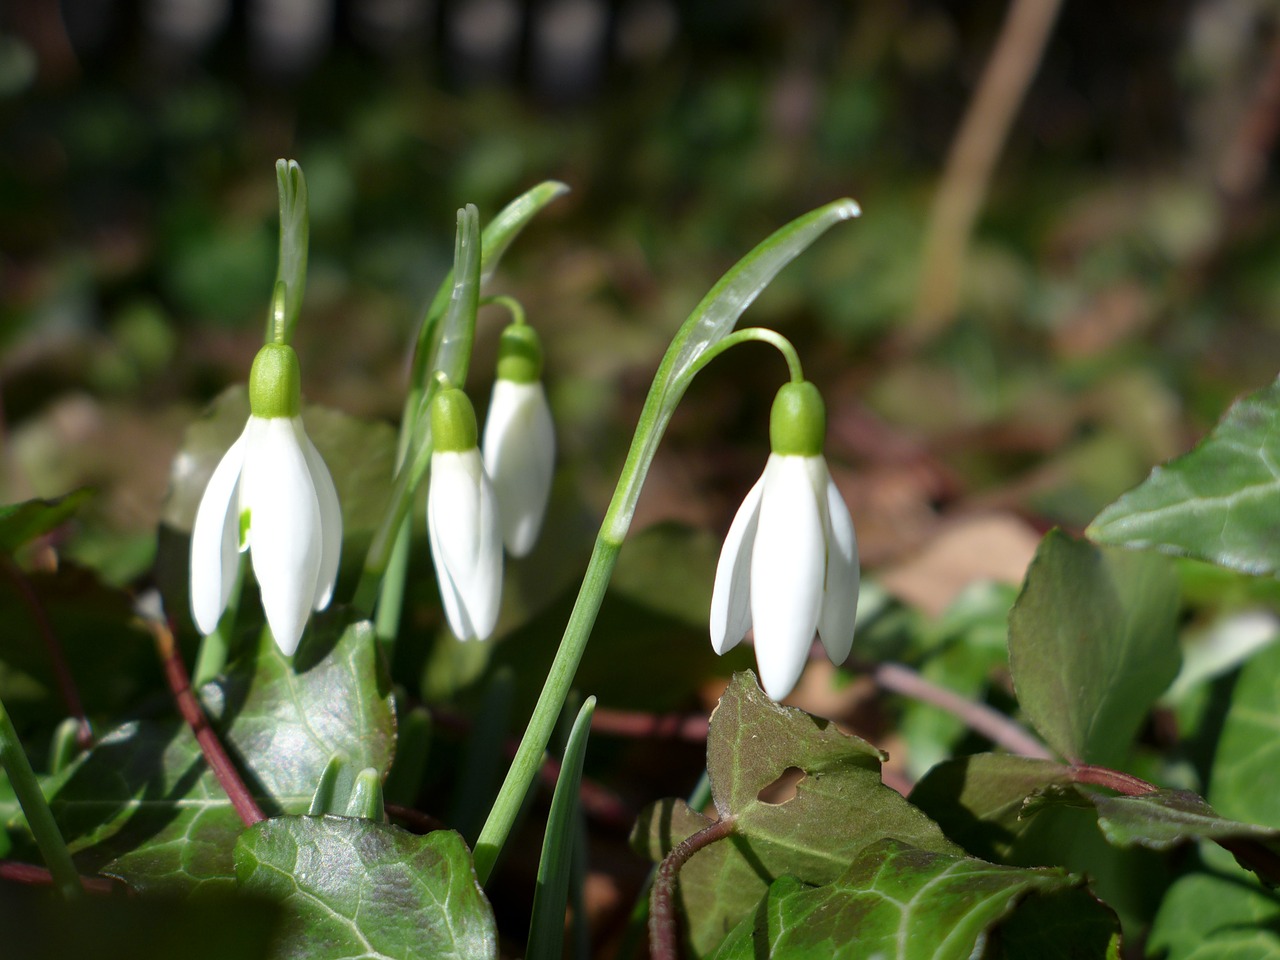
519	457
788	569
274	477
466	542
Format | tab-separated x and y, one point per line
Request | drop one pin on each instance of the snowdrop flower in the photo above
462	520
789	565
272	495
519	439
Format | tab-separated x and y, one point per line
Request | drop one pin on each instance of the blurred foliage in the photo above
1120	291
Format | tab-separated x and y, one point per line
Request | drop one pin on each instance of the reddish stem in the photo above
663	936
53	646
634	723
28	873
1125	783
215	754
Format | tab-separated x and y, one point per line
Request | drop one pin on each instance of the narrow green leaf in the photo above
752	743
546	930
295	227
1217	503
358	888
20	523
896	902
334	789
494	241
1092	644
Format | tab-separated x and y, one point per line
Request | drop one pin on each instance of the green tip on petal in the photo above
453	422
798	421
275	382
520	354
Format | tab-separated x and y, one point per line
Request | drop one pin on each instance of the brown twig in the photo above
215	754
663	936
29	873
991	723
691	727
53	646
1244	162
973	156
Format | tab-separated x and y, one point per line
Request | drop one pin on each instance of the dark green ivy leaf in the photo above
369	890
898	903
20	523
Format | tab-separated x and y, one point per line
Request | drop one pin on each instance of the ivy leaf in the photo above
20	523
1245	779
1092	644
1217	503
143	806
1166	818
752	743
358	888
1209	916
979	800
894	901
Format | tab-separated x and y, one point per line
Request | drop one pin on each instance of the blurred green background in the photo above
1118	290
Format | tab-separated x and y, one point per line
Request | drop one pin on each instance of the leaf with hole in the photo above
839	806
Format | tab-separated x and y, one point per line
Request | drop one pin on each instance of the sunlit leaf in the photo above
1212	916
895	902
1092	644
812	835
143	806
1167	818
1219	502
357	888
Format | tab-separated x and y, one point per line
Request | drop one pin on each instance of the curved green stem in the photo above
759	334
710	323
36	809
512	305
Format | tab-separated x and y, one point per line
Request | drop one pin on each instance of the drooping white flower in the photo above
519	439
462	521
789	565
272	495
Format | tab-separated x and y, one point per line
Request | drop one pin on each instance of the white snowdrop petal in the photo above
731	595
330	518
284	528
840	598
466	542
519	457
787	568
215	541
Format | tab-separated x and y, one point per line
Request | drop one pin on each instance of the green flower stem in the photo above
39	817
511	304
760	334
543	722
710	323
291	271
212	655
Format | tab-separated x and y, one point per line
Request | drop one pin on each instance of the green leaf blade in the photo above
895	901
1219	503
1092	644
358	888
